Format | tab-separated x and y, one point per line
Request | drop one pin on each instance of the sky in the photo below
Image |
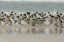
37	0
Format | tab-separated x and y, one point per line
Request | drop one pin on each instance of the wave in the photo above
34	0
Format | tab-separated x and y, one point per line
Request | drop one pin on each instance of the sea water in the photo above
31	6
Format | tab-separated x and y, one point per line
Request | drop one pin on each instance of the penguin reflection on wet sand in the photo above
50	31
55	30
33	31
59	30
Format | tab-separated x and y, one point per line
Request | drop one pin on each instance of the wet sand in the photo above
25	26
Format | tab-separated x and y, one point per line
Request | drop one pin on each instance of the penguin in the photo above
0	20
42	21
34	21
5	16
63	17
27	21
18	20
2	14
55	20
34	16
38	15
60	16
50	19
36	12
15	18
12	15
21	17
42	14
38	21
57	13
24	16
31	21
28	15
7	20
59	21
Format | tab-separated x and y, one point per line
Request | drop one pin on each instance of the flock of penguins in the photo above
33	20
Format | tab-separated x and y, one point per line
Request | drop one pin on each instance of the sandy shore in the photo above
15	38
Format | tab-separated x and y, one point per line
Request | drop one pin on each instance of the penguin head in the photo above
5	14
42	13
36	12
60	13
20	14
2	12
48	12
28	13
15	13
17	16
12	17
57	12
11	12
24	14
58	16
50	15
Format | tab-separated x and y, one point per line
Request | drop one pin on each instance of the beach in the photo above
22	32
28	38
